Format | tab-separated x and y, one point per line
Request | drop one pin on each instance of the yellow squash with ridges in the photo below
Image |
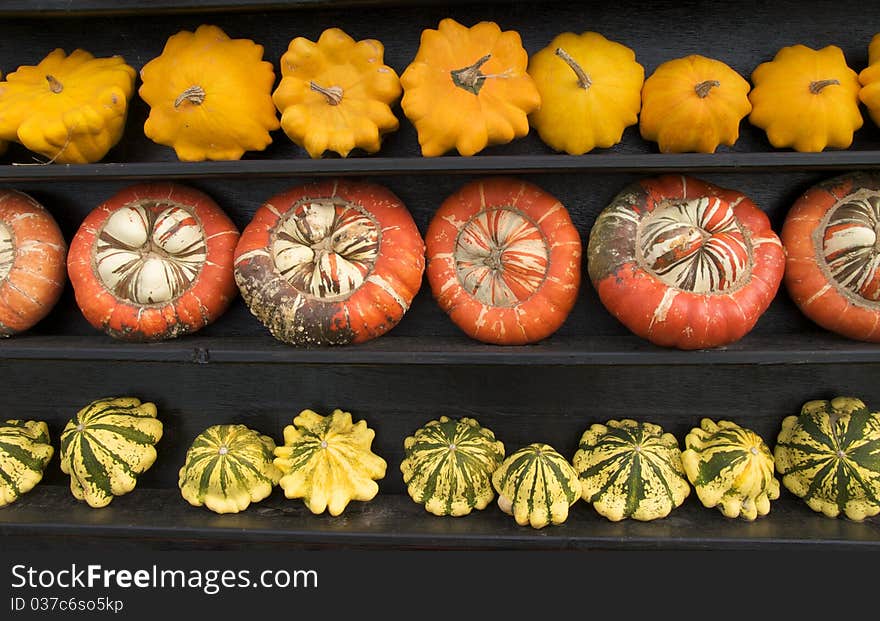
591	91
536	485
631	469
468	88
448	465
228	467
327	462
829	455
210	96
693	104
24	452
806	99
731	468
106	445
869	78
336	94
70	109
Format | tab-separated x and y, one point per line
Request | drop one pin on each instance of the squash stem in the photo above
702	89
333	94
194	95
54	85
817	86
584	80
470	78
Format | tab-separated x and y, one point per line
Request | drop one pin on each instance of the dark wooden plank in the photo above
819	348
395	521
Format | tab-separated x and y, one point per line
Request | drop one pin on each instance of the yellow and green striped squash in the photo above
731	468
631	469
829	456
107	445
536	485
228	467
24	452
327	461
448	465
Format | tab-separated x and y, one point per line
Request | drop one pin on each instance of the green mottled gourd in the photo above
327	462
631	469
448	465
228	467
829	455
24	452
107	445
536	485
731	468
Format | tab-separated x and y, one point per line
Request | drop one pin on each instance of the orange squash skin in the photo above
676	317
194	304
32	262
364	263
812	275
539	250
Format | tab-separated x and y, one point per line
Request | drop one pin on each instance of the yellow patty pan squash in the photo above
327	462
336	94
806	99
591	90
869	78
210	96
70	109
693	104
3	143
468	88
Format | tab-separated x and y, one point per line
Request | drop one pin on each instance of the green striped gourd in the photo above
107	445
829	456
24	452
228	467
327	461
731	468
448	465
536	485
631	469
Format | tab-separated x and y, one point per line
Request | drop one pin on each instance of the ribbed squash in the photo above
731	468
536	485
107	445
869	78
336	94
591	91
806	99
210	96
24	452
70	109
227	468
327	461
694	104
829	456
467	88
448	465
631	469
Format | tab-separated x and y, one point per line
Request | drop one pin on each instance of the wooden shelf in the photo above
608	350
395	521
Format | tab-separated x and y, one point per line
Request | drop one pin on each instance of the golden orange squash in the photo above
210	96
806	99
336	94
869	78
693	104
468	88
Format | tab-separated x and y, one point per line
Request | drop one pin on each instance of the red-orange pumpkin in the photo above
153	262
32	255
330	263
831	237
504	261
684	263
